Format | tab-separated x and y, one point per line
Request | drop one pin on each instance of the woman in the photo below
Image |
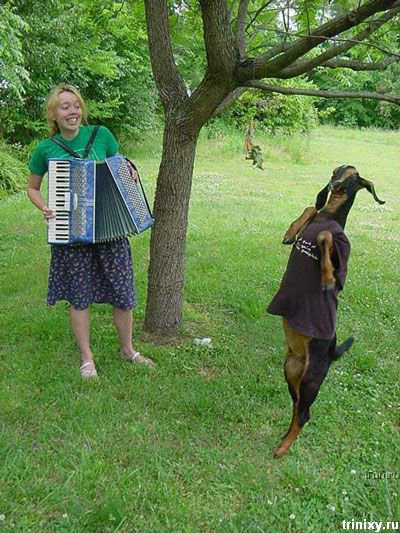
88	273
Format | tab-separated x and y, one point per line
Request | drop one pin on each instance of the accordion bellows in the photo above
95	201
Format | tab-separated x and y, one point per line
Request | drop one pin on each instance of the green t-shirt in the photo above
104	145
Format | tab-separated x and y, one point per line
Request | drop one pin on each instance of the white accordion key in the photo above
67	201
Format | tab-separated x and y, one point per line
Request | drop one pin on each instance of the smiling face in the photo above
66	110
68	114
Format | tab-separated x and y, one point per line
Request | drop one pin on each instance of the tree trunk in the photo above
168	239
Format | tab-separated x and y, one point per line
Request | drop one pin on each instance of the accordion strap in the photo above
72	152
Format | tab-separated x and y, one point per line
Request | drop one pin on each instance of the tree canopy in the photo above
102	48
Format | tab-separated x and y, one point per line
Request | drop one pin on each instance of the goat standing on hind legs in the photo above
307	297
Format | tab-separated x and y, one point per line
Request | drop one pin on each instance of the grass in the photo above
188	447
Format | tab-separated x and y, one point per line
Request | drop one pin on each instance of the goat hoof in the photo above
279	452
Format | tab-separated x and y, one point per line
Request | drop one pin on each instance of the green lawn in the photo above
188	446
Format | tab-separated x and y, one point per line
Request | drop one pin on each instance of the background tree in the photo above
101	47
247	44
12	71
360	113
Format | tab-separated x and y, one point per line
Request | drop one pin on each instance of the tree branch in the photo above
281	56
284	46
241	28
331	28
222	58
218	38
302	66
359	66
321	94
234	95
286	23
256	15
169	82
232	9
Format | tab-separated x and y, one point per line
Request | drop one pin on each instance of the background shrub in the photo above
13	172
276	113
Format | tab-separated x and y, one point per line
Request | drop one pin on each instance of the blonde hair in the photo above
52	104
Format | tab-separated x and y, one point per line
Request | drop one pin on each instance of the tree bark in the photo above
184	118
168	239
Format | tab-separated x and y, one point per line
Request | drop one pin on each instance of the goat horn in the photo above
321	198
370	188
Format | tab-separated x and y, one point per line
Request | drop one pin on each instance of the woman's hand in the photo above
36	198
133	171
47	213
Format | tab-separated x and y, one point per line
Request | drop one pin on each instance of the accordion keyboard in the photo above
59	199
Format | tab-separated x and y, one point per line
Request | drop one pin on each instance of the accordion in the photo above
95	201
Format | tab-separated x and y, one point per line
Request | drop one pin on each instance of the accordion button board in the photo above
94	201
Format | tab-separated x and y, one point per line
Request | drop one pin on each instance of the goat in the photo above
307	297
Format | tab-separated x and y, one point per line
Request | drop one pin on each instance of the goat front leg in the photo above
298	225
325	244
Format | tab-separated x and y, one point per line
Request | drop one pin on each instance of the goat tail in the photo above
342	348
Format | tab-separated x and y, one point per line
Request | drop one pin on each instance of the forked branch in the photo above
284	56
302	66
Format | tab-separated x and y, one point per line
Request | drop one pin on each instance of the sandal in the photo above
88	370
136	358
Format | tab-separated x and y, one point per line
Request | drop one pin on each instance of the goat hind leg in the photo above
295	366
322	354
320	358
291	435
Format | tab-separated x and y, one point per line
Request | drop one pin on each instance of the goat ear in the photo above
321	198
370	188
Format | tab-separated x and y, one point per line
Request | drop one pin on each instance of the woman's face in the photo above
68	114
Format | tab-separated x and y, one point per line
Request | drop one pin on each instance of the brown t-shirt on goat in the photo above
300	298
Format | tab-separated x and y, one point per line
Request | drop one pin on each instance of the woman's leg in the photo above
80	325
123	324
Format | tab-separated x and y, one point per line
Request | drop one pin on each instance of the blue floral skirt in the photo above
92	273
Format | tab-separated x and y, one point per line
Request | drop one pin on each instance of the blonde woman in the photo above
87	273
